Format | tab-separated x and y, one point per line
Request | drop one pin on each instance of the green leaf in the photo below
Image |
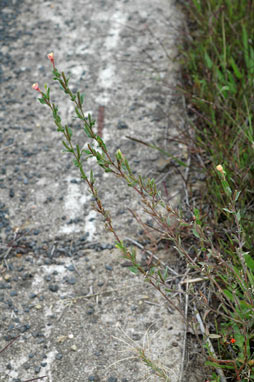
69	131
90	120
245	46
197	5
56	73
42	101
78	151
209	363
79	115
195	233
197	216
249	262
214	336
48	93
208	61
133	269
88	152
227	210
238	216
237	196
165	274
80	98
228	294
88	131
119	244
101	143
76	163
69	149
160	276
91	177
235	68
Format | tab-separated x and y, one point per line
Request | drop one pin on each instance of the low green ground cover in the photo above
218	75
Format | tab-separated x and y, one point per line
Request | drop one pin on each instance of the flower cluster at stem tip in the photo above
52	60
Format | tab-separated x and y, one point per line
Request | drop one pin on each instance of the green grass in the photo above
218	75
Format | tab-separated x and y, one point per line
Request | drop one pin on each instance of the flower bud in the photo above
220	169
36	87
51	58
119	155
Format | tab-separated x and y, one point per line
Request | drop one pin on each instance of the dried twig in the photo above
198	279
9	344
209	344
151	254
35	379
180	378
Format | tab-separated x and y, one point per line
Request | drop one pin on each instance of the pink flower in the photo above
36	87
51	58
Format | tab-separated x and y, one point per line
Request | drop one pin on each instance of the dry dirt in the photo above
80	314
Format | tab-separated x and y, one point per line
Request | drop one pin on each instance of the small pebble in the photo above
71	281
93	378
24	328
53	287
90	311
112	379
59	356
37	369
7	277
122	125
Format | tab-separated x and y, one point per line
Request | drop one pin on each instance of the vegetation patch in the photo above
212	230
218	75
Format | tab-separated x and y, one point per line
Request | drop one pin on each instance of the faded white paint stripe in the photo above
107	75
74	201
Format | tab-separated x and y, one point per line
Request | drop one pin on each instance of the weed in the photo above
217	240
